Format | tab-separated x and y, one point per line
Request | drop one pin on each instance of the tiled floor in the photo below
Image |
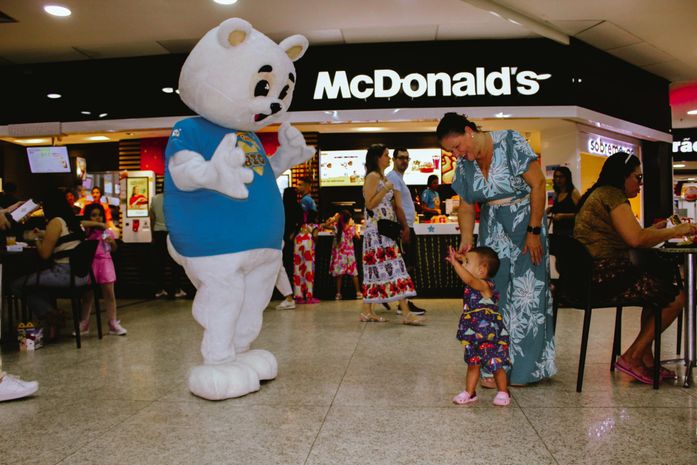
347	393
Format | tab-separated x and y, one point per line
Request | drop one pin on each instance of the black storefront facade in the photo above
529	78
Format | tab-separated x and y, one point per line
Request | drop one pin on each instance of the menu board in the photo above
48	159
422	164
341	168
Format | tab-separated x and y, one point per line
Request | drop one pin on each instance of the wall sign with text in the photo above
684	144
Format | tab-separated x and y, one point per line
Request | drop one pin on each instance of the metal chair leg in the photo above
76	321
617	339
657	348
678	342
584	347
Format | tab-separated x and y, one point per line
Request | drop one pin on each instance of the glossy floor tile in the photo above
346	393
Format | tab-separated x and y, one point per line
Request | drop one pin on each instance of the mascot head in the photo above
238	78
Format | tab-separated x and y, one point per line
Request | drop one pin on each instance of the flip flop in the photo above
415	321
371	319
667	374
620	365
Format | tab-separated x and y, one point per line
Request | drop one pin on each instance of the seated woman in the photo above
63	233
606	225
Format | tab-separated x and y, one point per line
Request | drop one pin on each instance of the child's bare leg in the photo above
87	301
501	379
472	379
356	285
338	285
109	301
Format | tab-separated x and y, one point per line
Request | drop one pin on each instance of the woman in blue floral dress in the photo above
499	171
385	277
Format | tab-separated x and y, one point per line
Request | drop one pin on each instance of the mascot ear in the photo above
294	46
232	32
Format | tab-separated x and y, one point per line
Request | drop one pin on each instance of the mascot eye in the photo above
262	89
283	93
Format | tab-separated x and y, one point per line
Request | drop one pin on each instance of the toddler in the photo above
343	254
481	328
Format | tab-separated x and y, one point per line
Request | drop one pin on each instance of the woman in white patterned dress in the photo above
385	277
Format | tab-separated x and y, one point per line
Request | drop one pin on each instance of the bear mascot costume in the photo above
222	205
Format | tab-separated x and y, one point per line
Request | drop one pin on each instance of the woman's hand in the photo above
685	229
388	186
465	246
660	224
533	244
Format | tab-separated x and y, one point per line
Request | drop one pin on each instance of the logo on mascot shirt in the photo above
255	158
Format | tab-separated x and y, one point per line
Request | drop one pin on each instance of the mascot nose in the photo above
275	108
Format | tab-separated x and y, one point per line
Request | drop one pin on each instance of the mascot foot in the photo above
217	382
262	362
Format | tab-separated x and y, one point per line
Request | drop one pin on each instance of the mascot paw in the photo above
293	142
217	382
262	362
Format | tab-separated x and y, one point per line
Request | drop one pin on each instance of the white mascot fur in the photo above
222	205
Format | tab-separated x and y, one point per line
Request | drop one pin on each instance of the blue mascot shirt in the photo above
205	222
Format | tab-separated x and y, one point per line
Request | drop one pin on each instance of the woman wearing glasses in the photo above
606	225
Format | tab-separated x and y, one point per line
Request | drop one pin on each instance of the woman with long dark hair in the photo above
293	216
385	277
63	233
499	170
566	197
606	225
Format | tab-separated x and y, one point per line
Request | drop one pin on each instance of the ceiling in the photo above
658	36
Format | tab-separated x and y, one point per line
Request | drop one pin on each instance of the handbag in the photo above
389	228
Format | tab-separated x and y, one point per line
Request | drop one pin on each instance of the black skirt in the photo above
650	281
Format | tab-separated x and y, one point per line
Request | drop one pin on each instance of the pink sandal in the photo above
465	398
502	399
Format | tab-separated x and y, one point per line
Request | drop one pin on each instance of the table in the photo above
690	257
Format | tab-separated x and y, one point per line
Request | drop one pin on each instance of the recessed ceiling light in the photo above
98	138
225	2
85	112
31	141
53	95
177	91
102	115
167	90
57	10
502	115
368	129
692	112
679	165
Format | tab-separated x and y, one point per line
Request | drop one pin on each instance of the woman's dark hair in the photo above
453	123
616	170
95	187
310	217
431	178
94	206
344	217
292	210
564	170
55	206
375	151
